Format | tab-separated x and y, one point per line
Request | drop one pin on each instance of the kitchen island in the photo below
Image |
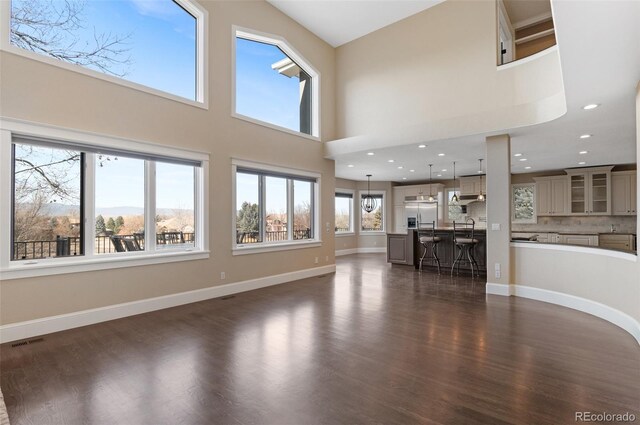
405	248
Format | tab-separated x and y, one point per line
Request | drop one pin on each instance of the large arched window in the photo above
274	85
156	44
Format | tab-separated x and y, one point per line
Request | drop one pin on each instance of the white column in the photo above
498	209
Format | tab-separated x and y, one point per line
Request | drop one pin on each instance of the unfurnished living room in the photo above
299	212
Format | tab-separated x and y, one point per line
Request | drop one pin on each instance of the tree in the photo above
248	218
53	28
111	225
119	223
100	225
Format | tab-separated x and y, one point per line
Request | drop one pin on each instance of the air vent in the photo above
18	344
27	342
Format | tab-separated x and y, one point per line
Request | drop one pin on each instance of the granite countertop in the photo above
577	232
579	246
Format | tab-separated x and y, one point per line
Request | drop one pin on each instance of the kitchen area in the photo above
588	206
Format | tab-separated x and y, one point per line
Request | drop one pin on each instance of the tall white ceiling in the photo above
340	21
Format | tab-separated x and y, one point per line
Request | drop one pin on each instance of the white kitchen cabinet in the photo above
398	195
616	241
548	238
400	219
586	240
590	191
551	195
472	185
623	193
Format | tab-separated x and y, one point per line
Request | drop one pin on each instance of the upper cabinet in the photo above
552	195
472	185
623	193
590	191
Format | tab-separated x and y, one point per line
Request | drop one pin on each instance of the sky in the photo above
161	44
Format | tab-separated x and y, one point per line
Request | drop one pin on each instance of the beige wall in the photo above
405	76
349	242
37	92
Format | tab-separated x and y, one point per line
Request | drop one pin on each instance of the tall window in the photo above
53	189
344	212
273	207
373	221
523	197
153	43
274	85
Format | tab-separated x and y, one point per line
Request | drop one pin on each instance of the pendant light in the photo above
431	199
369	203
454	198
481	197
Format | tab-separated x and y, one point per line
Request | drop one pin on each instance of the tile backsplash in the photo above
600	224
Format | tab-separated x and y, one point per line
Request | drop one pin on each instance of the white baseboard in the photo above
594	308
346	252
376	250
46	325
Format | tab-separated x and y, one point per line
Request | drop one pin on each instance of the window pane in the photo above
271	87
373	221
47	220
247	207
119	204
276	209
175	207
523	202
454	212
343	214
302	217
148	42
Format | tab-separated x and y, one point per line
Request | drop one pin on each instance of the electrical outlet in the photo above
497	269
223	275
495	226
316	260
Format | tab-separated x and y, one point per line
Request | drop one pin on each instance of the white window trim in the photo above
384	213
202	76
287	48
50	266
277	245
352	211
533	220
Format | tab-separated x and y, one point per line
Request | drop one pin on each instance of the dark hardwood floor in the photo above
374	344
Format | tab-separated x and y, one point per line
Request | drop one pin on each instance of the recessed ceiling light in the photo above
479	171
517	154
590	106
522	159
412	171
422	146
404	178
391	160
444	170
527	168
370	153
583	152
438	175
585	136
400	167
440	154
581	163
350	165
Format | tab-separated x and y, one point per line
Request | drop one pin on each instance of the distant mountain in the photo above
116	211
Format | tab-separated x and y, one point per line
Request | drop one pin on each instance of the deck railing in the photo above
271	236
70	246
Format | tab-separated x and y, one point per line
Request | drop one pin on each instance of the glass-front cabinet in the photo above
590	191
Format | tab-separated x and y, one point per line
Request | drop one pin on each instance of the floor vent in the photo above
228	297
27	342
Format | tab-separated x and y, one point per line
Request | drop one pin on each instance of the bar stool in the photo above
464	240
429	241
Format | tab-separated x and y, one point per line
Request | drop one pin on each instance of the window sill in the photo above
261	248
274	126
372	232
51	266
341	234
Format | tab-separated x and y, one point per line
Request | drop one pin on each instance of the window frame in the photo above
289	50
351	230
534	219
254	248
382	231
447	199
202	35
11	129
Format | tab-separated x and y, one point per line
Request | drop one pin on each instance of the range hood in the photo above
468	199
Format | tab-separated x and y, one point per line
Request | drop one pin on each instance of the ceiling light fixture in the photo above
412	171
583	152
430	199
404	178
590	106
350	165
400	167
444	170
585	136
369	203
581	163
438	175
527	168
480	196
440	154
522	159
517	154
454	198
370	153
391	160
422	146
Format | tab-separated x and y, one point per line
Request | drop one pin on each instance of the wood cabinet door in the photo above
559	201
543	197
633	194
620	194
